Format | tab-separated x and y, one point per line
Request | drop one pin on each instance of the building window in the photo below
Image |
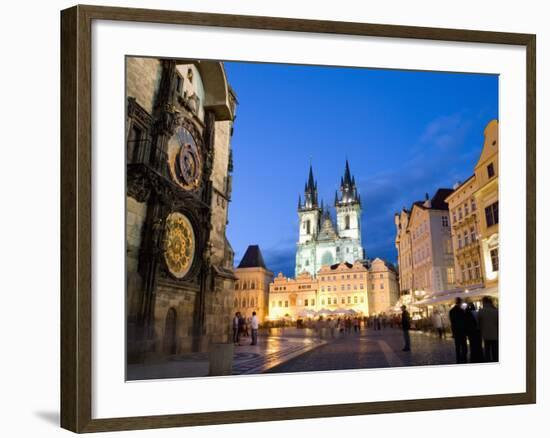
280	304
454	217
329	300
491	214
459	240
349	300
343	300
450	275
308	227
463	270
476	269
473	204
381	285
361	287
323	302
236	285
466	209
445	221
449	246
470	271
459	213
355	299
312	302
307	262
252	285
286	303
494	259
466	238
347	222
490	170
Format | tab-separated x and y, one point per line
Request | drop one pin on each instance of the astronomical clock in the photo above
184	159
179	244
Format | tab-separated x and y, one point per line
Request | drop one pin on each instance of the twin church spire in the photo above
348	192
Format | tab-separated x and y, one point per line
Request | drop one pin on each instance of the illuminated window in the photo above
491	214
450	275
494	259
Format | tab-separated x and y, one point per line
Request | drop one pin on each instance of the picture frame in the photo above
76	217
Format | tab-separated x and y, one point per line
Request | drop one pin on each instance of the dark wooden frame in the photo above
76	168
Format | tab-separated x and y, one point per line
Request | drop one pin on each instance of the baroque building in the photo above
320	241
465	233
252	285
359	288
486	173
180	280
424	246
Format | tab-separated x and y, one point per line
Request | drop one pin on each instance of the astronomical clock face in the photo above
179	244
186	160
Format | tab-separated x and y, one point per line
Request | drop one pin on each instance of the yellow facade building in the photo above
464	216
341	289
252	285
486	196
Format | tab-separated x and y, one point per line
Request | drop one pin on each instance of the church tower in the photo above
309	215
309	211
348	214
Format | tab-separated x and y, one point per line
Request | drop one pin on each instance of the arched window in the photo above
308	227
346	221
244	302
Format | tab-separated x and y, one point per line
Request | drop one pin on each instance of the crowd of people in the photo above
245	327
475	332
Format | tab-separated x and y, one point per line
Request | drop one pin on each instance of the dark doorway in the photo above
170	332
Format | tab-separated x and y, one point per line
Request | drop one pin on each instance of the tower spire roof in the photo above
348	188
310	192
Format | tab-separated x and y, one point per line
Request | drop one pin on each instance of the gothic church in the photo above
321	242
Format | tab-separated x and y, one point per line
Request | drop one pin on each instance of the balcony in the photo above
141	153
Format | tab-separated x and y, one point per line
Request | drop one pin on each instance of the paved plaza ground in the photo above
373	349
295	350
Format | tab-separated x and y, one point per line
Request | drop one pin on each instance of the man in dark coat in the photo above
457	315
406	326
488	326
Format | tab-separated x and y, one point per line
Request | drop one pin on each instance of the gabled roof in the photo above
438	200
252	258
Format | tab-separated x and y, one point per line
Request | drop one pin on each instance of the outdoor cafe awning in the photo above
473	294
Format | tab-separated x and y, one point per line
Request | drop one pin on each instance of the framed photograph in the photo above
269	218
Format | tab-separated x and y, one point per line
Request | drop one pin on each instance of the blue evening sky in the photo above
404	133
